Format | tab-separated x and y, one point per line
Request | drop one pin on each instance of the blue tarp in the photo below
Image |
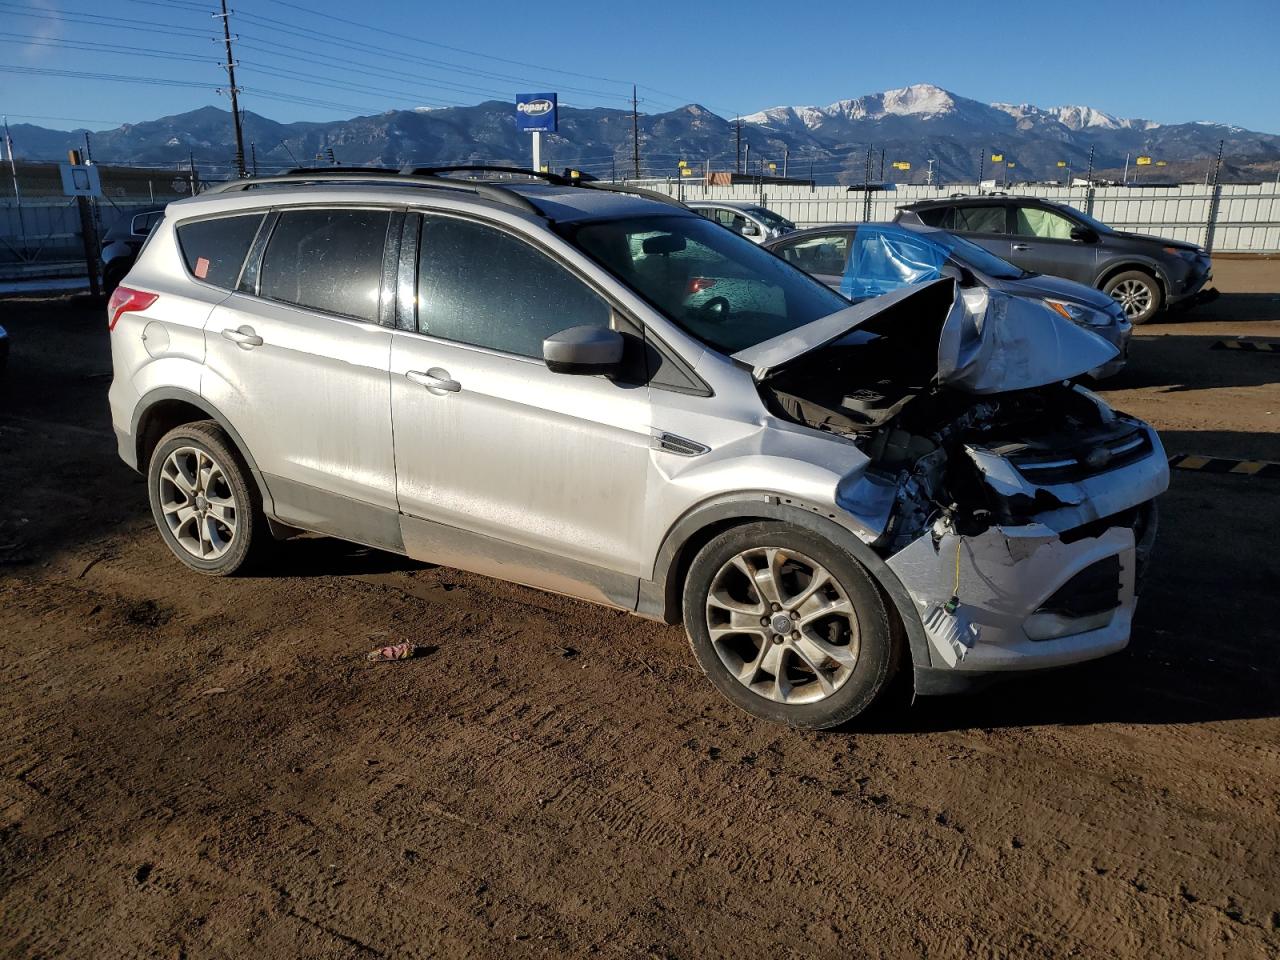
886	257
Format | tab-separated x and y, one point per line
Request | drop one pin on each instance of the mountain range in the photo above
832	143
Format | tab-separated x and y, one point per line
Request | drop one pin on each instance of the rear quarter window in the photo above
934	216
214	250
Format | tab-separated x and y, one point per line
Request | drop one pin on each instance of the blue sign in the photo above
536	112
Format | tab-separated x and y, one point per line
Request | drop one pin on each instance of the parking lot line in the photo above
1249	468
1250	346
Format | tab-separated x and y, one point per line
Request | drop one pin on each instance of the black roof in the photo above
969	200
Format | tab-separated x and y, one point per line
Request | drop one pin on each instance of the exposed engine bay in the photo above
943	457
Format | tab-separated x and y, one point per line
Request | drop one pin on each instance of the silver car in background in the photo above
757	223
608	396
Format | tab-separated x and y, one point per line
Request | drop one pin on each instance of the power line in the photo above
443	46
317	36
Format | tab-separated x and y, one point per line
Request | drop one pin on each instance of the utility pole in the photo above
88	236
786	153
866	185
746	158
1214	198
253	152
982	168
17	193
737	166
928	177
230	66
635	133
195	183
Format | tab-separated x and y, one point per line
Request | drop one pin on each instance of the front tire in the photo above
204	501
1137	292
789	627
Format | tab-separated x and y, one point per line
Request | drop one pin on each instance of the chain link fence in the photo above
40	228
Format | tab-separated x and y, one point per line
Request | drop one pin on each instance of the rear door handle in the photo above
1021	246
436	380
244	336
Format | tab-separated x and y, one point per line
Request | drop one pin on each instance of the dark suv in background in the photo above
1143	273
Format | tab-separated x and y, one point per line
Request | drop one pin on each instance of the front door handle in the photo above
1021	246
436	380
244	336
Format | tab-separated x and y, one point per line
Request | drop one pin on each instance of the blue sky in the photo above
1170	62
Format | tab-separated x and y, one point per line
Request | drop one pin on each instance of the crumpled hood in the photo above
988	341
994	343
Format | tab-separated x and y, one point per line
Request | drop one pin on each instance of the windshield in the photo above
772	220
726	291
969	254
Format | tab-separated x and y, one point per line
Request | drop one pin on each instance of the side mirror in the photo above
1084	234
586	350
749	229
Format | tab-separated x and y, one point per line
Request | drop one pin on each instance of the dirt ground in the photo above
208	768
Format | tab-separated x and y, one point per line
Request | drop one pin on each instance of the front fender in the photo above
660	598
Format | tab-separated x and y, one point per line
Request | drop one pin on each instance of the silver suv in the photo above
608	396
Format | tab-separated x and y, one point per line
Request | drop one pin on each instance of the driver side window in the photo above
481	286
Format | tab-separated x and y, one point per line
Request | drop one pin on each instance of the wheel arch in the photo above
1143	266
661	596
162	409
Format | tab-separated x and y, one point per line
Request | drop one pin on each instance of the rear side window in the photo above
934	216
825	254
327	260
979	220
215	249
481	286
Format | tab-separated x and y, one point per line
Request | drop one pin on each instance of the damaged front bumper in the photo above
1057	588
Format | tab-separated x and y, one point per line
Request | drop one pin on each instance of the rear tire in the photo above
1136	291
204	501
112	274
789	627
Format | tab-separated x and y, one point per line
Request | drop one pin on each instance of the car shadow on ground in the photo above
313	555
1227	308
1182	362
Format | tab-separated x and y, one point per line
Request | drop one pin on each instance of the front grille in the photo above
1121	444
1094	590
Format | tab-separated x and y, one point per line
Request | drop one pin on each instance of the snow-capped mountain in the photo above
926	102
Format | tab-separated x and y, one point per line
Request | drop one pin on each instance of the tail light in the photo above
126	300
698	284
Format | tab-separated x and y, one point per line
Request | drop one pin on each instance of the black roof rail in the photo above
301	171
499	191
554	178
638	191
489	191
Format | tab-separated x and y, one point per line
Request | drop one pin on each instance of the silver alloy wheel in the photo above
782	625
1133	295
197	503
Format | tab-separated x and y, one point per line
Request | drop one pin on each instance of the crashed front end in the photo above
1017	509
